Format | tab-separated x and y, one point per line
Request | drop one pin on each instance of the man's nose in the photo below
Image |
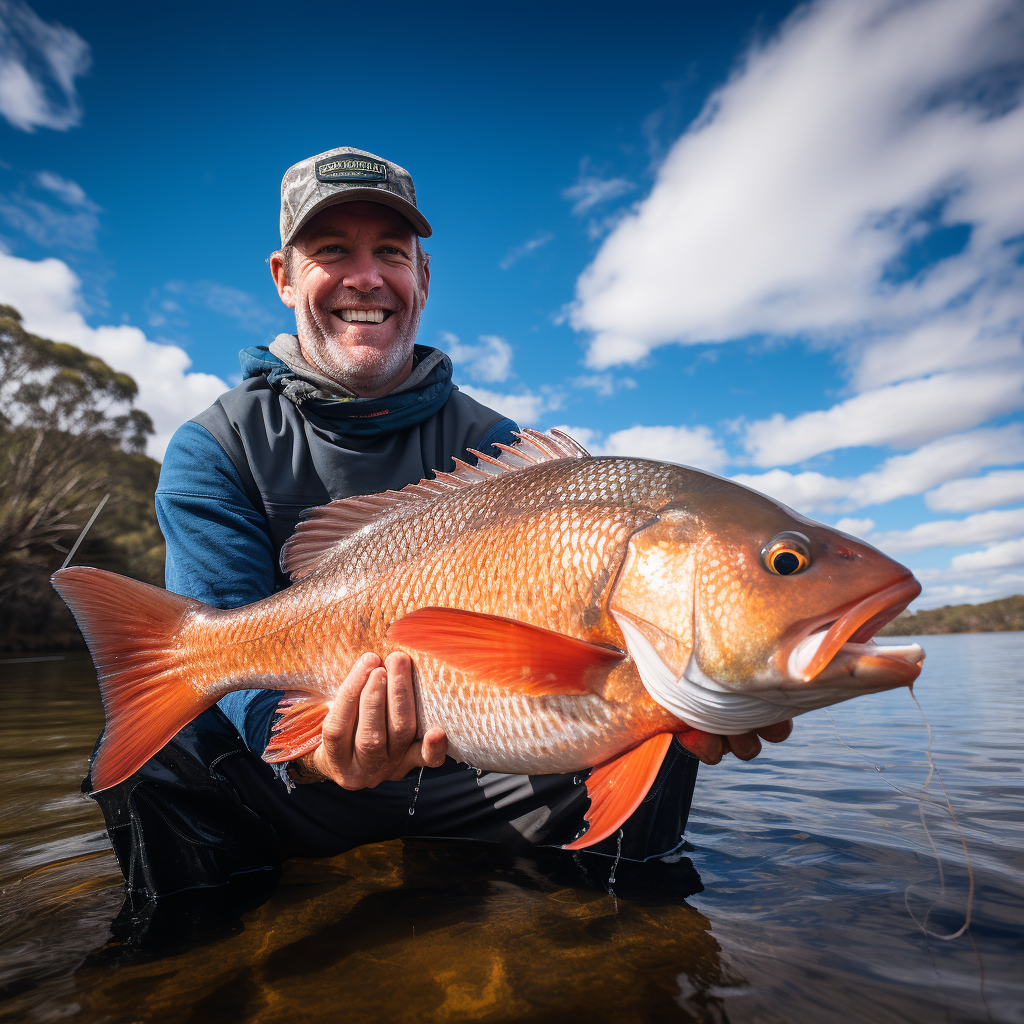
362	273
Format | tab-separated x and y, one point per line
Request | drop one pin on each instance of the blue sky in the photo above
781	243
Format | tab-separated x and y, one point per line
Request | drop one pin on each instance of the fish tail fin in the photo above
131	629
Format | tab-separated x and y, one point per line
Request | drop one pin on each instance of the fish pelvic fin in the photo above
321	529
617	789
298	729
507	653
131	630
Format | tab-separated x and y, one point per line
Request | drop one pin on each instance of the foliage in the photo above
68	435
1002	616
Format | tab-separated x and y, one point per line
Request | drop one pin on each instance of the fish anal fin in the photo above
298	729
322	528
617	789
505	652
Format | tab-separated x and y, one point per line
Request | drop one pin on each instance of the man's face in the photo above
357	291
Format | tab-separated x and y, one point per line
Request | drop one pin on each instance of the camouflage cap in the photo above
345	175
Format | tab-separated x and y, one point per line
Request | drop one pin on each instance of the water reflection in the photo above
424	931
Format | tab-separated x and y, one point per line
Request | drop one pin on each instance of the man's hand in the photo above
746	746
369	735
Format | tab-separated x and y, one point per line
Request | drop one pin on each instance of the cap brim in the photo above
365	195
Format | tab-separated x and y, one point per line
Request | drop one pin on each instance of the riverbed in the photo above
817	885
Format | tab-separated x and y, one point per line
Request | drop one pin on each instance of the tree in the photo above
69	433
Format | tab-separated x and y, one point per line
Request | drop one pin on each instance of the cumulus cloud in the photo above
39	62
1003	487
900	415
688	446
996	556
899	476
528	247
982	528
489	360
860	173
525	408
47	293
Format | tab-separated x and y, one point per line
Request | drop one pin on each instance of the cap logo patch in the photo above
351	168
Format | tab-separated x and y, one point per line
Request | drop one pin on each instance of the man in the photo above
348	405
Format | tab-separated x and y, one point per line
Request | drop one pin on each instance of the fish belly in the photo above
499	731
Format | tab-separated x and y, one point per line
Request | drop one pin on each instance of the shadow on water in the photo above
806	858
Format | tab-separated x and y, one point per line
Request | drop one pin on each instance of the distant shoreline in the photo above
1003	616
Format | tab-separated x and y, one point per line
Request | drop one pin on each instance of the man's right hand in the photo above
369	735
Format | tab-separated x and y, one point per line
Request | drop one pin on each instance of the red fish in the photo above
562	612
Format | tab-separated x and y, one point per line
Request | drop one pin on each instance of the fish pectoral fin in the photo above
505	652
616	789
298	730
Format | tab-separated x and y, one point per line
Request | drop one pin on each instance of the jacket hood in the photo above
349	415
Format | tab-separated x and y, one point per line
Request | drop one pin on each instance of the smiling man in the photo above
347	405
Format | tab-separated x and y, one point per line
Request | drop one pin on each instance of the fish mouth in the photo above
844	647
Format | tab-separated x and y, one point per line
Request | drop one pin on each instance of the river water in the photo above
795	900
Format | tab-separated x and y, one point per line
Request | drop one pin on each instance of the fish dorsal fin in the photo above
321	529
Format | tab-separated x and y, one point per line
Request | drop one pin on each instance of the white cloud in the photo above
898	476
168	307
901	415
515	254
605	384
982	528
489	360
1003	487
794	203
689	446
39	63
70	222
525	408
857	527
589	191
46	292
1006	555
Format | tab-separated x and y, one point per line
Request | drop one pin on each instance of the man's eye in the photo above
329	250
391	250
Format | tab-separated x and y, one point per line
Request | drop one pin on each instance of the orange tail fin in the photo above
131	629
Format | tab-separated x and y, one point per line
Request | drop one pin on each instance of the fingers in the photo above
429	753
369	734
703	745
434	748
340	724
745	746
371	739
776	733
401	702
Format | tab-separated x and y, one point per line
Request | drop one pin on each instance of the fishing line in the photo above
88	525
922	798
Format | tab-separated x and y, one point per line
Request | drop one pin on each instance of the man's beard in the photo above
369	372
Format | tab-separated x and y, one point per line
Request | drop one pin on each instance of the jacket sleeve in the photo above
218	551
502	433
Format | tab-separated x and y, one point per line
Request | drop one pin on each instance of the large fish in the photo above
562	612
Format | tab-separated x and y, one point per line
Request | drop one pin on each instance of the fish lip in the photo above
857	625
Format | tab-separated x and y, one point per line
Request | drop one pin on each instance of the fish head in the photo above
740	612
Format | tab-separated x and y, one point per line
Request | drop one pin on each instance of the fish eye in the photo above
787	554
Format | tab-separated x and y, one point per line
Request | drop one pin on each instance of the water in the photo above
809	862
